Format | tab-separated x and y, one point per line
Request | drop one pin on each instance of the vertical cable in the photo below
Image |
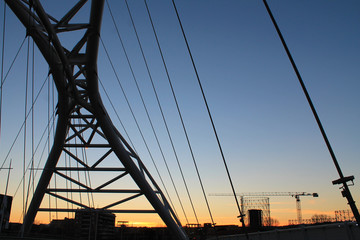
3	79
32	116
25	124
53	106
70	174
66	184
31	163
8	177
77	165
4	202
2	64
41	138
87	173
53	132
31	174
48	133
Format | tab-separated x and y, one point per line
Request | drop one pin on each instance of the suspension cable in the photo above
25	120
70	182
343	180
134	117
32	113
22	181
87	174
147	113
22	126
31	182
198	78
8	178
2	64
49	106
117	115
41	155
67	182
89	178
48	133
121	87
163	116
241	215
3	79
77	165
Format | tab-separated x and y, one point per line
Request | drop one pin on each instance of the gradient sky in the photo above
270	138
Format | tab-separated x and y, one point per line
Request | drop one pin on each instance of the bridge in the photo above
104	107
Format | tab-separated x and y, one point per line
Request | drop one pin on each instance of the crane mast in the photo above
298	209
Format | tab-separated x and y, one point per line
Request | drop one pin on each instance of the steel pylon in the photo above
82	120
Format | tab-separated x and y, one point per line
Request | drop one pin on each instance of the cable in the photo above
32	112
346	191
42	136
17	135
38	145
196	167
67	182
31	174
71	183
163	116
87	174
8	177
78	172
51	51
147	113
117	114
12	63
2	64
134	117
25	121
241	215
48	126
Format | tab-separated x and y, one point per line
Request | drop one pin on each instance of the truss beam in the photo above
82	120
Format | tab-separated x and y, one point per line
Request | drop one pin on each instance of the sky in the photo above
268	134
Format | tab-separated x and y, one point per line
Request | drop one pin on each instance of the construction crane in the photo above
296	195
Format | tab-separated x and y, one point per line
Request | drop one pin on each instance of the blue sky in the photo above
269	136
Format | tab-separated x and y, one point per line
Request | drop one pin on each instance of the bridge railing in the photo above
334	231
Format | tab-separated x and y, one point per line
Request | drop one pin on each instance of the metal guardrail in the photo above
334	231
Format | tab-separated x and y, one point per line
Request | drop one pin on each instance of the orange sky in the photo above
283	211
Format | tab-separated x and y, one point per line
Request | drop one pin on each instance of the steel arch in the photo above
75	75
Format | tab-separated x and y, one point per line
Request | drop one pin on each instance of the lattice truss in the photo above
86	151
344	215
260	203
89	160
79	178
